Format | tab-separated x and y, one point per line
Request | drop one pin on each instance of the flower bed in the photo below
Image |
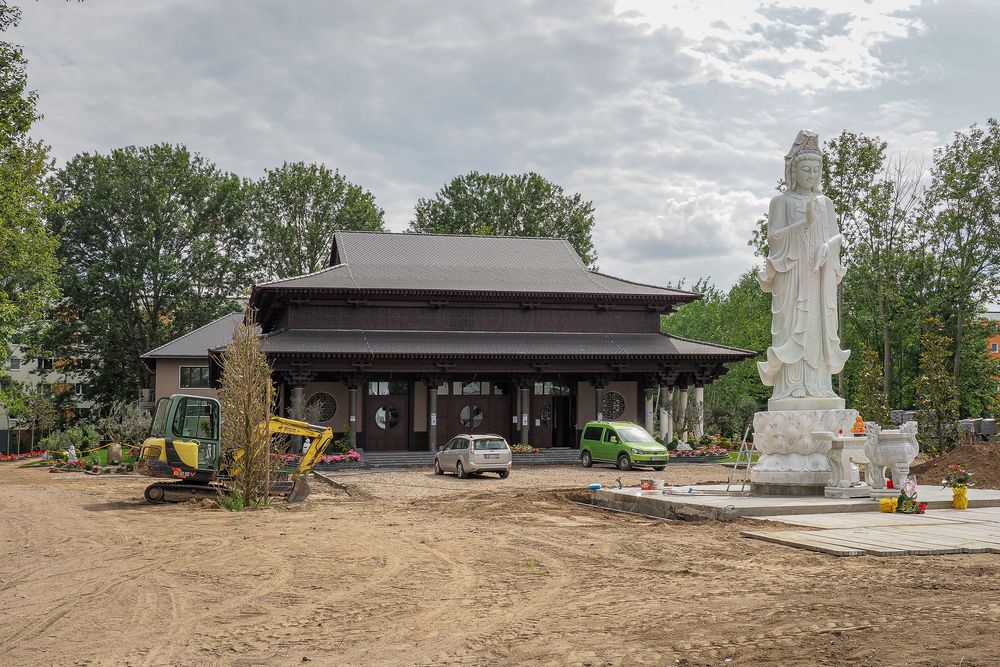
520	448
20	457
711	452
350	457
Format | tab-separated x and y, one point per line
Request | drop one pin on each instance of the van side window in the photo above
611	436
592	433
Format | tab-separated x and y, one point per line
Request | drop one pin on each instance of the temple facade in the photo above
409	339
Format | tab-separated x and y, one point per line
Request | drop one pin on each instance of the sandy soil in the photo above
413	569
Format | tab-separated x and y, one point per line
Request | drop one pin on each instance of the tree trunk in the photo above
886	353
958	347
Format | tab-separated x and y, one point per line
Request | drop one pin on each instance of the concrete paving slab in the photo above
712	501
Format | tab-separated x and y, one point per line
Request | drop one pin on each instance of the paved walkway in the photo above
936	532
840	527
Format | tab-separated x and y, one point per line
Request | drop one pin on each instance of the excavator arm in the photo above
320	438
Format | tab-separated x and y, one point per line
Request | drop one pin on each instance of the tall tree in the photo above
937	395
508	205
870	397
963	219
27	259
155	246
297	208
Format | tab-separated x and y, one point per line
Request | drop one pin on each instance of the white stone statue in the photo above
803	269
71	454
802	272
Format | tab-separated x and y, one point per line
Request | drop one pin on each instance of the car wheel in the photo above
586	459
504	474
460	470
624	462
658	468
437	468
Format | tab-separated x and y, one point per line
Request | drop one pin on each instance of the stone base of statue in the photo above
793	446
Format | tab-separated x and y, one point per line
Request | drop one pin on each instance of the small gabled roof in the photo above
455	263
197	343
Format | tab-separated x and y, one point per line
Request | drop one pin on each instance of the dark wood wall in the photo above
415	317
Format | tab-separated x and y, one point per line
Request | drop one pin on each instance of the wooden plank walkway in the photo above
877	534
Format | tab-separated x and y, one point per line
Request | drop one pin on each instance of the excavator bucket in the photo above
300	490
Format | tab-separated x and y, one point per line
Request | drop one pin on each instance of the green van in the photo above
623	443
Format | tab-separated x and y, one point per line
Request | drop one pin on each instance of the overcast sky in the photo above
671	116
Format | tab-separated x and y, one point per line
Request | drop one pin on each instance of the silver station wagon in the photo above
467	455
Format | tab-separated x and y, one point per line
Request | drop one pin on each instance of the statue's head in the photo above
804	163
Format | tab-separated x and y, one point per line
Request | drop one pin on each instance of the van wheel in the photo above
658	468
460	470
504	474
437	468
624	462
586	459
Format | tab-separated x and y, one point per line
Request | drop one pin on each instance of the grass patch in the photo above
732	457
235	501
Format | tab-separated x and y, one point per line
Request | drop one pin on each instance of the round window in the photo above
471	416
324	404
613	405
387	418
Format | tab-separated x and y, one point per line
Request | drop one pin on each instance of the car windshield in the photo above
635	434
492	443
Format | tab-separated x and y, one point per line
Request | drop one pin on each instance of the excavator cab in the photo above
183	440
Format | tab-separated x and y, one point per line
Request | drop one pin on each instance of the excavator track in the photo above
181	492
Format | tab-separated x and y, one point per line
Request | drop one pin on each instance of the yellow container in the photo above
887	504
959	499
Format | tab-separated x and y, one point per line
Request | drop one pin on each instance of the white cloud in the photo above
782	44
672	117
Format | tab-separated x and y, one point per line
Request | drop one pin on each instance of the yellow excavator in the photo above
184	446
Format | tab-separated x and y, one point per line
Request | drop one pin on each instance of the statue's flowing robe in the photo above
805	346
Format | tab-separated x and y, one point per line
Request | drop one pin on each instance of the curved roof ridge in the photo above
464	236
705	342
304	275
636	282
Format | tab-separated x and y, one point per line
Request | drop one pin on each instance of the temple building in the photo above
409	339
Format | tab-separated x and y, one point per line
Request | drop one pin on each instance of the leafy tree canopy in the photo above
508	205
155	245
27	260
297	208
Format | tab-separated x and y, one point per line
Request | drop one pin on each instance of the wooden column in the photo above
432	403
649	409
352	415
699	406
525	393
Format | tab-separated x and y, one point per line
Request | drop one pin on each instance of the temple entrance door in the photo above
552	414
541	420
387	416
563	422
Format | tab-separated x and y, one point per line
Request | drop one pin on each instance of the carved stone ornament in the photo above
894	449
789	452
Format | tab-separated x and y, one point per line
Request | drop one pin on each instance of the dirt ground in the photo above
413	569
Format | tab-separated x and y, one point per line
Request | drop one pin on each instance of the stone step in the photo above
552	456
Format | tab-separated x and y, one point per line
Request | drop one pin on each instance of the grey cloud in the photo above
403	96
